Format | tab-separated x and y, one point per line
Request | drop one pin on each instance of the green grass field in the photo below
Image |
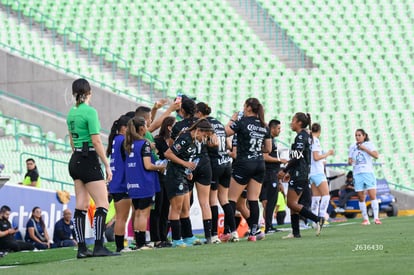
342	248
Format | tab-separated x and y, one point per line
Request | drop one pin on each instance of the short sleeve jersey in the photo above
218	154
4	226
362	161
82	122
250	138
181	125
184	148
316	165
300	157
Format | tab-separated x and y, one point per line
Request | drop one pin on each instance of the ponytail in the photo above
132	132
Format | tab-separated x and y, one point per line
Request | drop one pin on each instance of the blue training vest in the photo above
118	183
140	182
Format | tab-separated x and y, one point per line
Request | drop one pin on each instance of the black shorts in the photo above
270	185
85	168
202	174
119	196
244	171
141	204
244	194
298	185
221	175
176	183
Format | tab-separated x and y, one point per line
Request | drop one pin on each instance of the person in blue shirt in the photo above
36	231
141	176
64	233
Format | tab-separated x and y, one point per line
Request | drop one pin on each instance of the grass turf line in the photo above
341	249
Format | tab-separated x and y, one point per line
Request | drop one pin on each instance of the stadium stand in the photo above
362	49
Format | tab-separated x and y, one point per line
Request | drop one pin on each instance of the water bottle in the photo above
162	162
178	98
188	171
240	115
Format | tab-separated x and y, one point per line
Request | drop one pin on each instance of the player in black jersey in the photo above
270	187
180	155
253	138
297	170
220	167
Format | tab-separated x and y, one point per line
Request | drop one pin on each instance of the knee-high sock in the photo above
315	204
363	208
214	219
186	228
99	224
324	205
175	229
79	218
119	241
375	208
139	238
207	228
308	214
229	215
294	221
254	216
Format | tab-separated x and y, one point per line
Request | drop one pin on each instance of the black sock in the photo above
139	238
207	228
99	225
214	219
119	241
229	216
238	221
254	216
175	229
294	220
79	218
186	228
308	214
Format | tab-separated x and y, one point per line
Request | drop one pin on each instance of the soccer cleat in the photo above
145	247
84	253
126	250
215	240
178	243
225	237
291	236
260	235
234	238
190	241
251	238
339	210
319	225
102	251
365	222
377	221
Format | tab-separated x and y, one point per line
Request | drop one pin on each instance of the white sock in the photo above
315	205
375	208
324	205
363	208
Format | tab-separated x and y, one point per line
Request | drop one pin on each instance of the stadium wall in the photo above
52	89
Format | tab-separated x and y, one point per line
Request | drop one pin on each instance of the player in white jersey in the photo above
360	156
319	183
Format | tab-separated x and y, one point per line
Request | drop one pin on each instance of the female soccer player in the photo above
319	183
118	185
220	167
253	138
141	176
180	155
360	157
85	169
297	170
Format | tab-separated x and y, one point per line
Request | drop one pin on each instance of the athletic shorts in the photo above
85	168
298	185
221	175
318	179
244	194
270	184
244	171
202	174
119	196
364	181
141	204
176	183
